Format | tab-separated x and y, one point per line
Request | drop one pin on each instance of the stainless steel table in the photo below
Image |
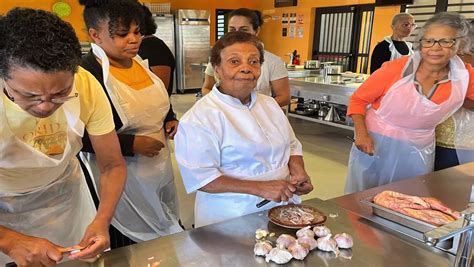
231	244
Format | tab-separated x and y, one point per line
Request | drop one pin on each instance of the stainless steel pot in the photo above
334	69
311	64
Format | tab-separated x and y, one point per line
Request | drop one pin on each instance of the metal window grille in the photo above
159	8
221	22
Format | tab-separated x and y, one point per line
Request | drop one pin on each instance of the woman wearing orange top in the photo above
408	97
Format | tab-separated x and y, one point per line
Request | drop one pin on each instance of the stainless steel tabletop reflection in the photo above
231	244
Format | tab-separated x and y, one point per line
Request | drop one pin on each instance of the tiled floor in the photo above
326	151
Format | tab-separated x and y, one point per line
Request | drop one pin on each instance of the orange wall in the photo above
78	23
275	43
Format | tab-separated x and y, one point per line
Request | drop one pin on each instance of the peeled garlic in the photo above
309	241
279	255
321	231
305	232
285	240
344	240
262	248
328	244
261	233
299	251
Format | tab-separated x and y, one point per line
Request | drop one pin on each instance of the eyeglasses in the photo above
409	25
33	100
446	43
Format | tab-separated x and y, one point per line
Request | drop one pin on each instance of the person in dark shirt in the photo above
160	58
395	46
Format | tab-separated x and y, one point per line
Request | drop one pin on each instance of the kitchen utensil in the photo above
350	138
334	69
311	64
262	203
314	105
322	112
275	216
305	111
332	115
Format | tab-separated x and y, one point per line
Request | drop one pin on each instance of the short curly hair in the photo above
38	40
231	38
116	12
148	26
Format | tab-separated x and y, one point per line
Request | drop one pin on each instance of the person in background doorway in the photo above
143	117
394	46
160	58
47	102
273	80
407	98
235	146
455	136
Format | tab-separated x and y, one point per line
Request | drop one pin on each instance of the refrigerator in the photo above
166	31
192	48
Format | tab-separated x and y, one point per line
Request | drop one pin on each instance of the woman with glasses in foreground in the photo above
47	103
408	97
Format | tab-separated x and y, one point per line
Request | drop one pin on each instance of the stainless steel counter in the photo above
231	244
452	186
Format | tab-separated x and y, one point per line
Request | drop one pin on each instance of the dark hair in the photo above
117	12
254	16
148	26
231	38
38	40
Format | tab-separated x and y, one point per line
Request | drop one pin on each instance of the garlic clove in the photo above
321	231
285	240
327	244
299	251
305	232
309	241
279	255
344	240
261	233
262	248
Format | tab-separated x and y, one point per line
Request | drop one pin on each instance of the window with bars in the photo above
222	20
342	35
422	10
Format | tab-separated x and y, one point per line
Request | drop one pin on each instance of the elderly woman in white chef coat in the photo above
234	146
46	103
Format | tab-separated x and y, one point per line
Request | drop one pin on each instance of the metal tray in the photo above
397	217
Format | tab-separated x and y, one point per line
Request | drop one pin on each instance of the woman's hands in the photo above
28	250
277	190
147	146
171	127
96	239
363	141
299	175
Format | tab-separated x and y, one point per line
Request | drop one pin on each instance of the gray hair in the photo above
400	16
455	21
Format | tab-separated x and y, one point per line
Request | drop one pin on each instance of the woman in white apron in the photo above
394	46
395	139
148	208
44	201
236	147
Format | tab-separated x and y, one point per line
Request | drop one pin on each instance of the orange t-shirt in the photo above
376	87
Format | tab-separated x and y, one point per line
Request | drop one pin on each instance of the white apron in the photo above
464	135
403	131
148	208
394	52
59	210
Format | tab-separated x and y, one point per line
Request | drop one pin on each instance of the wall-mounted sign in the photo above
284	18
284	32
300	18
283	3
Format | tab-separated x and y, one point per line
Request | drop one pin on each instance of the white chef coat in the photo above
221	136
272	69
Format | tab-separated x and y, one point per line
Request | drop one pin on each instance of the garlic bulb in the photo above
262	248
261	233
305	232
309	241
328	244
299	251
279	255
344	240
321	231
285	240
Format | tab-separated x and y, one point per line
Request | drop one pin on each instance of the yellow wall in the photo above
271	31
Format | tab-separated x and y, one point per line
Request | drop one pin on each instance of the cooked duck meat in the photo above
435	204
433	217
394	200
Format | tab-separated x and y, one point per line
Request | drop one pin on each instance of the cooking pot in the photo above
322	112
311	64
334	69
